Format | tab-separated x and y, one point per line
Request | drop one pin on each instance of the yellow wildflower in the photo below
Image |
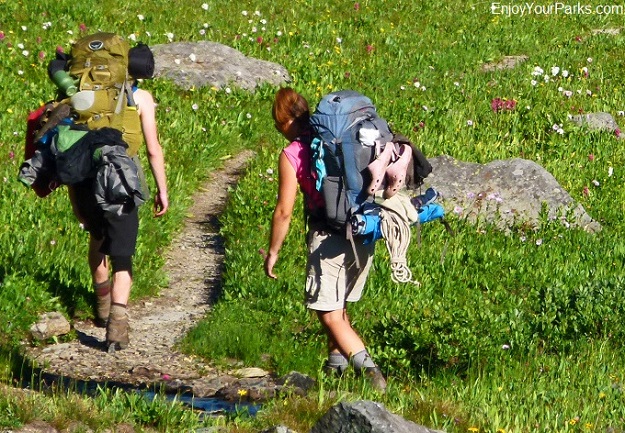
242	392
473	429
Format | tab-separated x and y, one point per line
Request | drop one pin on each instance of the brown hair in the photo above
290	105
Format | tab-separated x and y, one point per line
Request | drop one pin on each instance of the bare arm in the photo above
145	102
282	214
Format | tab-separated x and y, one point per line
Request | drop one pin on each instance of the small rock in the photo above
50	325
251	372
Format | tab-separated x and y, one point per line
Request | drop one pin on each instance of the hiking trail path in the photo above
193	264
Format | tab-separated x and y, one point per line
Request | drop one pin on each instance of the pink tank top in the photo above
298	154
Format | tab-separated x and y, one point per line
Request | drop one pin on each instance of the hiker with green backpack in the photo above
89	139
333	279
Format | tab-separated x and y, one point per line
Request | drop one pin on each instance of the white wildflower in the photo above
205	6
555	70
140	17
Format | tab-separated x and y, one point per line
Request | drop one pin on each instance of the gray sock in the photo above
337	360
362	360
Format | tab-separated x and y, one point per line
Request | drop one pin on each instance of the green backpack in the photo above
99	67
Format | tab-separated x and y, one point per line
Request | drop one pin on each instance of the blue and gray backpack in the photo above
340	157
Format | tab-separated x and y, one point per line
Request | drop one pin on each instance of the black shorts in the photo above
118	231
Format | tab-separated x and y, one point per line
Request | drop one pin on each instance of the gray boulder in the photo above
598	121
199	64
504	192
364	417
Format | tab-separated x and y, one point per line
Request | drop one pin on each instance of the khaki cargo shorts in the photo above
333	278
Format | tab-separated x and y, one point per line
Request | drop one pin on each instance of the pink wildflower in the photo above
11	155
617	132
498	105
357	6
347	74
369	48
259	39
1	35
59	49
586	191
82	27
42	55
591	157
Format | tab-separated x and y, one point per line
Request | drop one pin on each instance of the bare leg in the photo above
122	282
341	336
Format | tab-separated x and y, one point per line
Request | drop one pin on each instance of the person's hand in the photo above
270	261
161	204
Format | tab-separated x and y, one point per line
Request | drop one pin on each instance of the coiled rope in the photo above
396	233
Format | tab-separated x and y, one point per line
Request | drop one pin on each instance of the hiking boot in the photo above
103	308
117	334
333	370
375	377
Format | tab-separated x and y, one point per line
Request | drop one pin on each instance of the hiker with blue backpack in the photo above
336	268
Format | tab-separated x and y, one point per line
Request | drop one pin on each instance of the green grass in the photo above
553	298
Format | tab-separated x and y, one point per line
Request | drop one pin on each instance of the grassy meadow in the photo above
511	333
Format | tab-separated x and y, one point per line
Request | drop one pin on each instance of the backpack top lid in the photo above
100	61
337	112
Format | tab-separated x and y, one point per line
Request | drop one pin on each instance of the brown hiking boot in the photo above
375	377
103	303
117	334
103	309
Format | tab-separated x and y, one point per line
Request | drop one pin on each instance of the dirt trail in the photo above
193	264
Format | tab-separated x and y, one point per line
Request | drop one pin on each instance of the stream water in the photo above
210	406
